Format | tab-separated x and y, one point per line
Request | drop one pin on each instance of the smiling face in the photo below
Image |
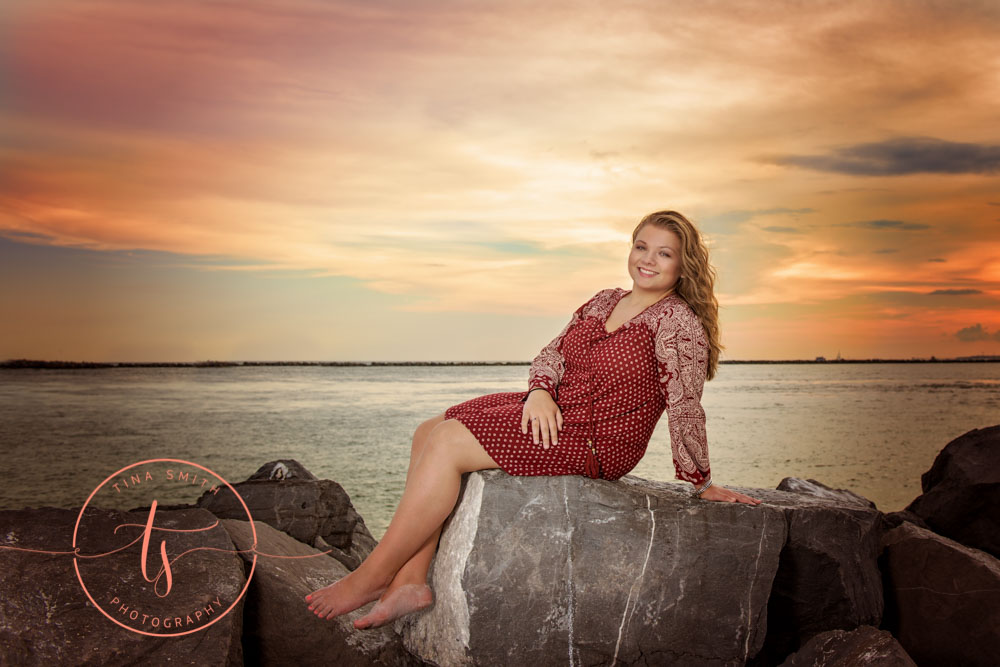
655	260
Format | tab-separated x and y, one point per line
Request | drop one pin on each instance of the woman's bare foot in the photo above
343	596
397	602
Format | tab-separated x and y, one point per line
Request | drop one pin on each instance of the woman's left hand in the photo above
724	495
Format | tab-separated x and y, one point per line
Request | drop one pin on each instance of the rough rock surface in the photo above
282	469
828	576
811	487
865	645
315	512
961	497
568	570
47	619
891	520
278	627
942	598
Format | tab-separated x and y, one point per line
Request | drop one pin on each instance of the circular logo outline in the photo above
76	563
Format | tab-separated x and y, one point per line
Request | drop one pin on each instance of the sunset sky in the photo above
315	180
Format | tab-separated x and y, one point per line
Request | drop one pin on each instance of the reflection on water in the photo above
873	428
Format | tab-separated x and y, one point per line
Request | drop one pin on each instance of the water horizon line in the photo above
13	364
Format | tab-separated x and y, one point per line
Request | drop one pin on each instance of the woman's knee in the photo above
423	432
452	441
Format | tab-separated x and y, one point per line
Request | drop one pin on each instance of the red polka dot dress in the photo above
612	388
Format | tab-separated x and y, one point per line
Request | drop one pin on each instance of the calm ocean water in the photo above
873	428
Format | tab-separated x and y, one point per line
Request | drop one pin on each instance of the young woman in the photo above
594	397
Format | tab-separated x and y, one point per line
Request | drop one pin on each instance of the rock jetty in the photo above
553	571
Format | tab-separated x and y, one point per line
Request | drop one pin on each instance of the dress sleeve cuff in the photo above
697	477
543	382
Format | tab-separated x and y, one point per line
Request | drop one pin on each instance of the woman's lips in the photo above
646	272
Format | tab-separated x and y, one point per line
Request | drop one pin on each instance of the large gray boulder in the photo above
278	627
286	496
961	491
942	598
568	570
47	619
862	646
828	576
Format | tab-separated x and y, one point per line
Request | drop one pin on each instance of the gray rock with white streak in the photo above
568	570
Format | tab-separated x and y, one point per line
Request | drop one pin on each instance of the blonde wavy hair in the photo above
697	283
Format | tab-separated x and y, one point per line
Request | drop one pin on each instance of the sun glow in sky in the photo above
319	180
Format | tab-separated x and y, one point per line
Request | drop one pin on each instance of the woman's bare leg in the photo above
415	569
408	591
431	491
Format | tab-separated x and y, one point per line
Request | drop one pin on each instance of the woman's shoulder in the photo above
602	300
677	315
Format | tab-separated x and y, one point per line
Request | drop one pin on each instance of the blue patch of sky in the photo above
24	248
445	248
726	222
117	272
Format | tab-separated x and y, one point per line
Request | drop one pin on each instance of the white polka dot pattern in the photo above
617	383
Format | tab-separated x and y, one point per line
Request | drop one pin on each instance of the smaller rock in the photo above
282	469
828	576
895	519
46	617
942	598
865	645
811	487
304	508
961	497
278	627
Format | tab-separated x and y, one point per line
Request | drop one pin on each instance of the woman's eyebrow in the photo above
668	247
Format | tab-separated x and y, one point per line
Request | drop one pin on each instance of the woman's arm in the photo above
682	363
541	413
682	360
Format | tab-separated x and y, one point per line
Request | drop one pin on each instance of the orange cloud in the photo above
495	159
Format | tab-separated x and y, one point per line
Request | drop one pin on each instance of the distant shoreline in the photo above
12	364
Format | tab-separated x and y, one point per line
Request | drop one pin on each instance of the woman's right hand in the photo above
544	416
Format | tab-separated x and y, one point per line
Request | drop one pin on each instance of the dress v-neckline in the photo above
604	325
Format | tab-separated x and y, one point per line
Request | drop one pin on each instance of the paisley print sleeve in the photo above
682	364
547	368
